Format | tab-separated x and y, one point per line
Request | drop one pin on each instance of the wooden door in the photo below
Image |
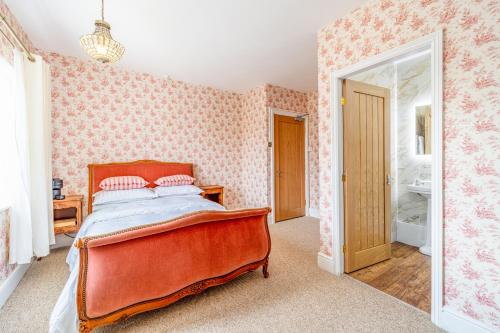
289	168
367	192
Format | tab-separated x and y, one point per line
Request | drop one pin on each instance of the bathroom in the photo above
409	82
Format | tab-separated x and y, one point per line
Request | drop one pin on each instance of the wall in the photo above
7	54
257	156
5	268
471	130
312	110
413	89
302	104
254	172
5	46
102	114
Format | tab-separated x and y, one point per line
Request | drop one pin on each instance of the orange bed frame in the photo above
148	267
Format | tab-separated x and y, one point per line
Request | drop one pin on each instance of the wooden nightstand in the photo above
214	193
68	214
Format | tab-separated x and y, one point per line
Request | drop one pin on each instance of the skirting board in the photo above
411	234
326	263
9	285
454	322
314	212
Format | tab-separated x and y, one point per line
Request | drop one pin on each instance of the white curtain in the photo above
31	227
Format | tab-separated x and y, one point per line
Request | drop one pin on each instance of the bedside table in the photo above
68	214
213	193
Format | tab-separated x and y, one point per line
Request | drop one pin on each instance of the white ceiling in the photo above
230	44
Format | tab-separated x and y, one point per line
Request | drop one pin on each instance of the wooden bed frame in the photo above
148	267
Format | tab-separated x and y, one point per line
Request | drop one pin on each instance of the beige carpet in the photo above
297	297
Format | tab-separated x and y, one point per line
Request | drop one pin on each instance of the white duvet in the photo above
110	218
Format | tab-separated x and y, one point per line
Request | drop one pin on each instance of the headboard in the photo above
148	169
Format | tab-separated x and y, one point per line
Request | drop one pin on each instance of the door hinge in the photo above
344	177
344	248
342	101
270	144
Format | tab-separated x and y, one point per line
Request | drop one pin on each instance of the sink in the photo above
423	188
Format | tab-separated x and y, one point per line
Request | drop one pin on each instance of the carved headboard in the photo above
148	169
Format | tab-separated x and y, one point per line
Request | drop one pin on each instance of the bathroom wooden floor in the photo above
407	276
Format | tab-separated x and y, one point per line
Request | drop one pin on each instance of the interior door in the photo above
367	191
289	167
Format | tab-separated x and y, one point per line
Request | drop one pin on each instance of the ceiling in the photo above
229	44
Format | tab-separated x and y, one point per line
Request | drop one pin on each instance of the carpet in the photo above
297	297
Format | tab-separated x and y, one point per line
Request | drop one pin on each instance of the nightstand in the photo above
214	193
68	214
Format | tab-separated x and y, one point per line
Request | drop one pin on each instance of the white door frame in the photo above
434	42
272	112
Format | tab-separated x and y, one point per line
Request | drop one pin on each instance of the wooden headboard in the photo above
148	169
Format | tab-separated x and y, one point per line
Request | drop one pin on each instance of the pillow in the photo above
170	191
122	183
175	180
104	197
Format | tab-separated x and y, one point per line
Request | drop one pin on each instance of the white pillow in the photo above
170	191
104	197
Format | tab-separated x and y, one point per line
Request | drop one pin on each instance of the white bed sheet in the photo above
114	217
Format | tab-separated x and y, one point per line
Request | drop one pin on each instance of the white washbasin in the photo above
423	188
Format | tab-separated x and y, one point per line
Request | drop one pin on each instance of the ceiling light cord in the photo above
102	9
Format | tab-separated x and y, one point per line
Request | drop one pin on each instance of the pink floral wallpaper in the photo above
5	268
286	99
471	133
6	53
254	171
5	45
255	131
312	110
300	103
103	114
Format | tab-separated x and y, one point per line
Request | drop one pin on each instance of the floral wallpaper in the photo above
254	172
286	99
5	45
5	267
256	154
471	130
312	110
103	114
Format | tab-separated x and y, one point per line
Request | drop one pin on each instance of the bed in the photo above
129	258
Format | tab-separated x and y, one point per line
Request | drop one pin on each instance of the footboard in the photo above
139	269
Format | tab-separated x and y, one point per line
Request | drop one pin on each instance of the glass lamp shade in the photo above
100	45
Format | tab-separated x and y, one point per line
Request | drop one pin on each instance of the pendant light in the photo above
100	45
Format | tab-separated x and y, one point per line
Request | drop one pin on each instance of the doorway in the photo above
433	44
289	165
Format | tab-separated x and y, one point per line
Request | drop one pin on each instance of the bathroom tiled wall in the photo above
413	89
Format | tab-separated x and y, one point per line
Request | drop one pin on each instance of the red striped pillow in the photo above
122	183
175	180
